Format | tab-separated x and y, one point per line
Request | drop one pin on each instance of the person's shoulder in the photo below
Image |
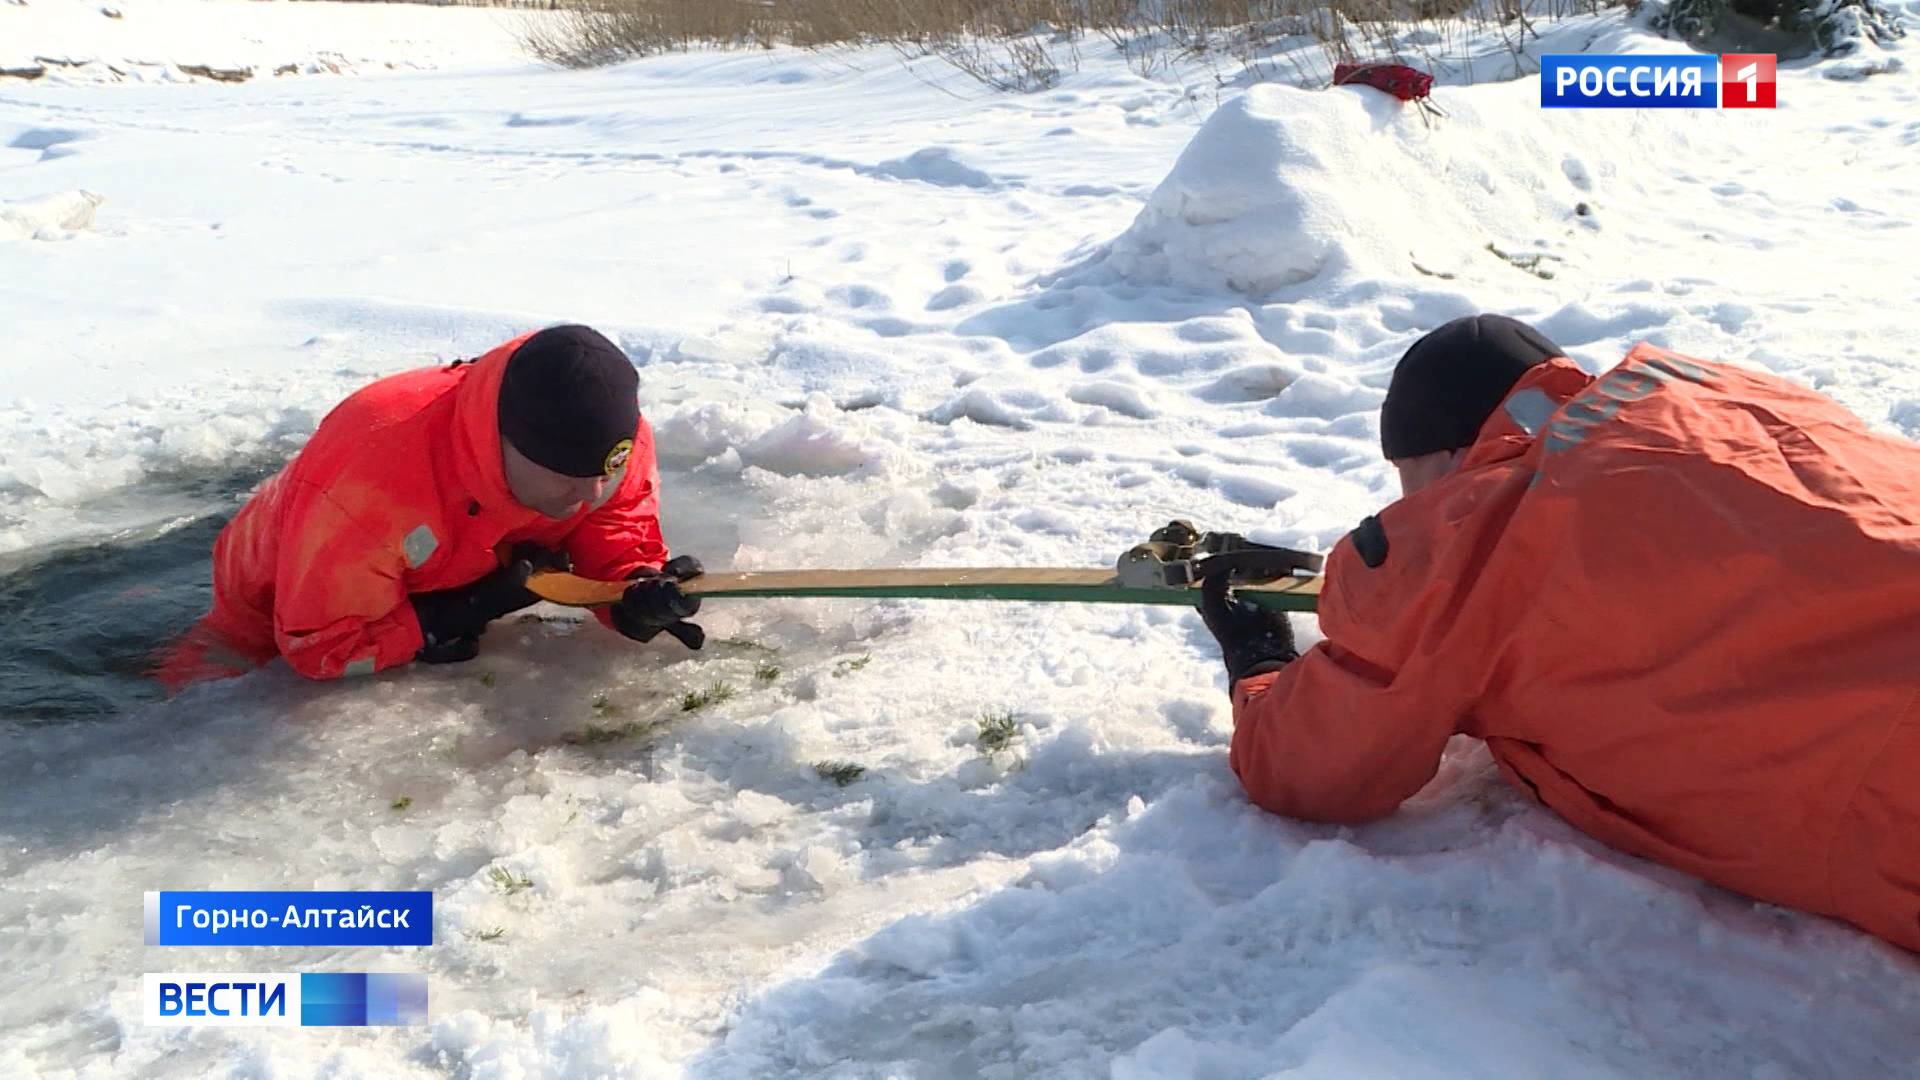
380	437
394	398
1406	563
379	419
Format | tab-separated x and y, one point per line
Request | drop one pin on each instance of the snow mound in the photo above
52	217
819	441
935	165
1282	186
696	434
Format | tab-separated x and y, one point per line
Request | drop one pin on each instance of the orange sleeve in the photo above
1331	737
340	601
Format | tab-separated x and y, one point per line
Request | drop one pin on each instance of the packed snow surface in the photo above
882	317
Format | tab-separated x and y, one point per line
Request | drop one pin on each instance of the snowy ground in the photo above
76	42
886	318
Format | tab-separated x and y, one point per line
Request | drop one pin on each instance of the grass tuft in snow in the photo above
743	643
766	673
1528	261
840	772
841	668
508	882
402	802
695	700
998	730
610	710
597	734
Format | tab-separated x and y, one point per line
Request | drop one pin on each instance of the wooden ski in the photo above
1042	584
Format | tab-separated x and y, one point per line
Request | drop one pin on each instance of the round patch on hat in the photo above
617	457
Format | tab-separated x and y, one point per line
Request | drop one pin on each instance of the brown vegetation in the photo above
1027	44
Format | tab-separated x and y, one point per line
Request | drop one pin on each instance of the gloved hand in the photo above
1252	639
655	602
452	620
451	651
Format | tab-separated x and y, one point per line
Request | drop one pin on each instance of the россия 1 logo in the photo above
1657	81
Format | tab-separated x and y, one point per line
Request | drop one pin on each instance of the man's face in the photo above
1419	473
553	494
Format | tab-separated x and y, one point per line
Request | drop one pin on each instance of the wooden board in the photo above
1041	584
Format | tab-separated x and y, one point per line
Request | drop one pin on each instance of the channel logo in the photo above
1657	81
312	999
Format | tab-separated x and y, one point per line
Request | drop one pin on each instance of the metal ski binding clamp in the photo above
1177	556
1163	562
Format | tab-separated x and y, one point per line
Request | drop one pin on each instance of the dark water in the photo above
81	626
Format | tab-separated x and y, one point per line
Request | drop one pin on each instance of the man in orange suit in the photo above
415	514
1680	602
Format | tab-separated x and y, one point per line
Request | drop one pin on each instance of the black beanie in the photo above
569	401
1452	379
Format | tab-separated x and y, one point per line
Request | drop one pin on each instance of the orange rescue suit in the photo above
401	490
1680	603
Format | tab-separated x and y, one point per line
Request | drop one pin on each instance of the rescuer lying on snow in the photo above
1680	603
415	514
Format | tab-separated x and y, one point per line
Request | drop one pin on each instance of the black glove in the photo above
1252	639
655	602
452	651
452	620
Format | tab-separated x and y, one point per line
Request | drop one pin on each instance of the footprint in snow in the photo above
1576	173
1118	396
935	165
519	120
51	142
860	296
1730	317
1208	331
953	296
890	327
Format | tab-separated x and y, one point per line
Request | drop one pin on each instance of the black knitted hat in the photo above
1451	380
569	401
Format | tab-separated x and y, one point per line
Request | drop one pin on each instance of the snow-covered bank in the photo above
66	42
882	322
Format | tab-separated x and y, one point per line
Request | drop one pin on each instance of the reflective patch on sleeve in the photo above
362	666
1531	409
419	546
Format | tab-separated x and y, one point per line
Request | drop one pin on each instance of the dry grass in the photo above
1028	44
592	33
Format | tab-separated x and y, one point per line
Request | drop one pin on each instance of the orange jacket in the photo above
1681	604
401	490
